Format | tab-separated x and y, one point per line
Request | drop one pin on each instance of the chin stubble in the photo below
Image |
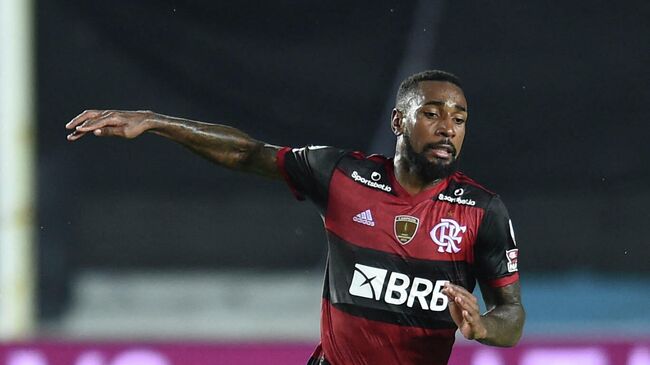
428	171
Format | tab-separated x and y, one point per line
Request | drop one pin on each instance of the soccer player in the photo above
408	236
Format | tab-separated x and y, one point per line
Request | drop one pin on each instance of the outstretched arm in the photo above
226	146
501	325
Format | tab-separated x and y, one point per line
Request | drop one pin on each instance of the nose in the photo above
446	128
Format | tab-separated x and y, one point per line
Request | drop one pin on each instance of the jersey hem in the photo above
506	280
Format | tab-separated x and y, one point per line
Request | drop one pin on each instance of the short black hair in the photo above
409	84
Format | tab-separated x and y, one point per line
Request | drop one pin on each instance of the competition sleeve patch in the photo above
496	251
308	171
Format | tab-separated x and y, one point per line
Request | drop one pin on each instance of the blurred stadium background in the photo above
138	252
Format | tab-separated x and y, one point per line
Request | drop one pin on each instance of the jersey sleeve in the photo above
495	252
308	171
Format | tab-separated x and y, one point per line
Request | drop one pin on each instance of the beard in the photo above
429	171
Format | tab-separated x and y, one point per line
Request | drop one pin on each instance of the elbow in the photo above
509	330
242	150
510	340
518	330
246	154
515	339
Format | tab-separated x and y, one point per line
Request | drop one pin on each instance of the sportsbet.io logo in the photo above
373	182
368	282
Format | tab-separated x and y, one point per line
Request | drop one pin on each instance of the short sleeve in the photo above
308	171
495	252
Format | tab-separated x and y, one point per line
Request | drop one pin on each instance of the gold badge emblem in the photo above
405	227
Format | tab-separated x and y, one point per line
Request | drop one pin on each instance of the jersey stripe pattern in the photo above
390	253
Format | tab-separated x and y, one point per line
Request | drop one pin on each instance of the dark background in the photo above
558	123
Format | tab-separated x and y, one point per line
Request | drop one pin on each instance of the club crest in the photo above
405	227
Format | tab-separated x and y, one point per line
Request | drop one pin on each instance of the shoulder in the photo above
315	152
373	171
361	160
463	190
462	179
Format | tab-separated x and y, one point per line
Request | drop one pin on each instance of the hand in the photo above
109	123
464	310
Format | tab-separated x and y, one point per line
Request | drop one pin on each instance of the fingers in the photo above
456	313
99	122
76	121
99	132
75	135
470	318
459	295
465	311
108	132
469	304
476	329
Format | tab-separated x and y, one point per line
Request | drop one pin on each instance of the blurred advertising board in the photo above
167	353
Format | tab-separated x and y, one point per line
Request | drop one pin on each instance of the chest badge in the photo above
448	235
405	227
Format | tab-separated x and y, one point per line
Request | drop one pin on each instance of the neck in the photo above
408	178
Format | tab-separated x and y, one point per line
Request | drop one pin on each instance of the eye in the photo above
459	120
431	114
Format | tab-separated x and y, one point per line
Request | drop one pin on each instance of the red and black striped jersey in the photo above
390	254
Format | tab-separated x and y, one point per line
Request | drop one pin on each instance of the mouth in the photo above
442	151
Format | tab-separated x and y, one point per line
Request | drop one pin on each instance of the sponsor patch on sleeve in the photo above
511	255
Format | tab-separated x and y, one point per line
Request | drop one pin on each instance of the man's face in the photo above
434	127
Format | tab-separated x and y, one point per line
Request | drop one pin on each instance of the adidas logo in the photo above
364	217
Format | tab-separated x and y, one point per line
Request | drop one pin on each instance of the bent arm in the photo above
505	316
503	323
223	145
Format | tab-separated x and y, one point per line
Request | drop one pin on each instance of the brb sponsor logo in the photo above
372	182
369	282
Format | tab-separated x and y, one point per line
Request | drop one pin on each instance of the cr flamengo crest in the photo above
447	235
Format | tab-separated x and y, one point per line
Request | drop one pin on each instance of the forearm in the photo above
504	325
223	145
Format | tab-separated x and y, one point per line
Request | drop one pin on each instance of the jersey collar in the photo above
426	194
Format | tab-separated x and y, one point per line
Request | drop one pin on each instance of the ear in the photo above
397	122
